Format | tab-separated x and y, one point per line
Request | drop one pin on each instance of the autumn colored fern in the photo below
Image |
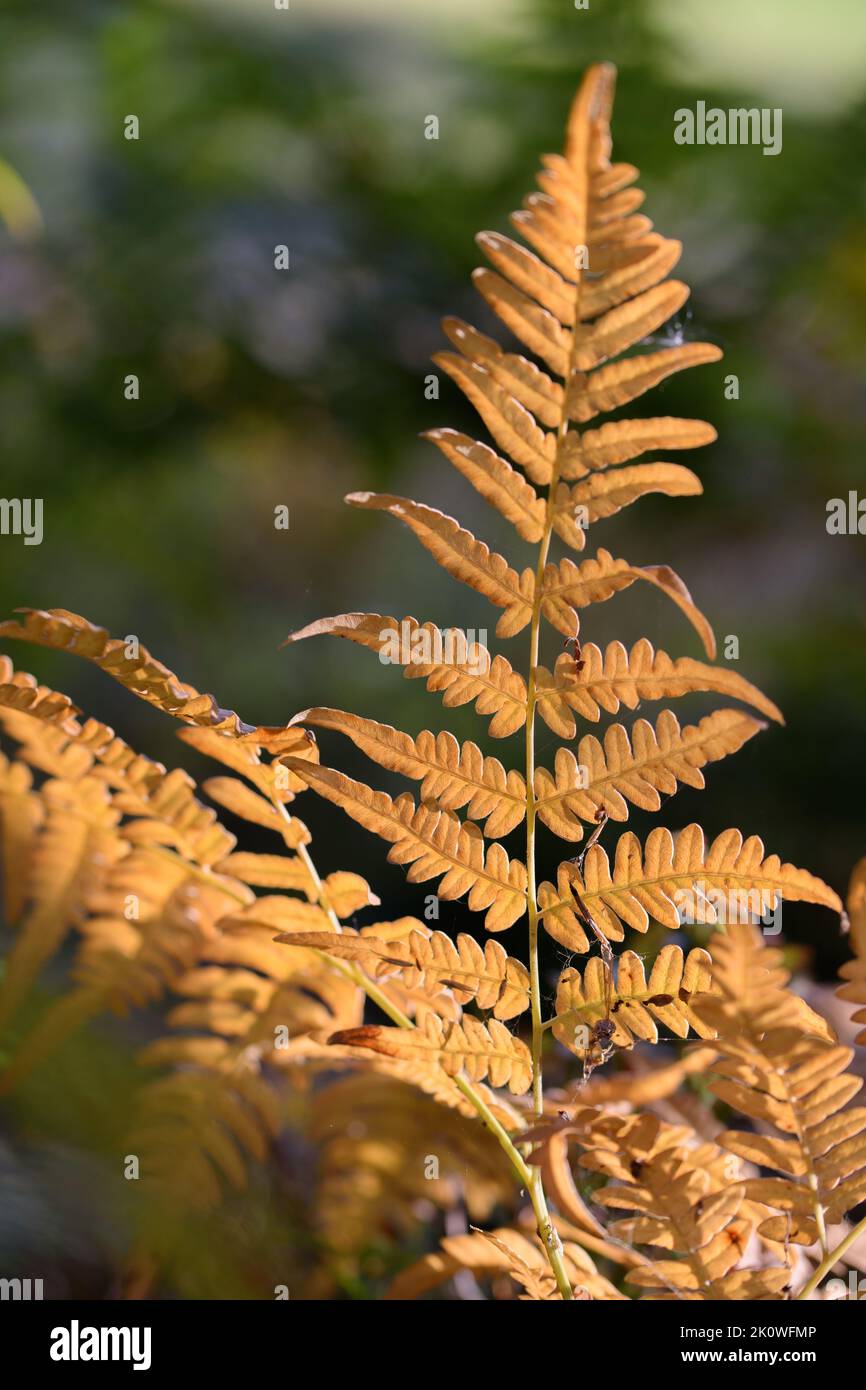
593	287
261	969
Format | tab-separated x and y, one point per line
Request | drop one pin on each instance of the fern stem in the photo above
546	1230
829	1260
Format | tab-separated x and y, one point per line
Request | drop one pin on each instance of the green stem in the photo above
829	1260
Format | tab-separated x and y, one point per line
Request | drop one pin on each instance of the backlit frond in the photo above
453	775
640	770
434	843
464	557
686	1200
483	1051
634	1004
779	1065
672	878
568	587
462	670
854	971
433	962
619	676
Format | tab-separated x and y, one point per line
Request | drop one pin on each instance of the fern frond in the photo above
854	971
453	775
245	756
604	494
20	691
643	883
495	687
482	1051
498	483
583	220
622	440
462	556
567	587
510	424
619	676
432	961
605	777
77	843
142	674
635	1004
688	1202
433	842
780	1066
22	811
504	1251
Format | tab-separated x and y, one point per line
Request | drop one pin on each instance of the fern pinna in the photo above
592	288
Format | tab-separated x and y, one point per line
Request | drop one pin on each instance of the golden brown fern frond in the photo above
125	660
431	961
492	1254
638	770
77	842
645	884
22	812
130	663
482	1051
461	670
689	1200
434	843
633	1004
453	775
464	557
854	971
21	691
779	1065
567	588
617	677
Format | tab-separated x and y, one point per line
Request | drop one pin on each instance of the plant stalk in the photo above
829	1260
